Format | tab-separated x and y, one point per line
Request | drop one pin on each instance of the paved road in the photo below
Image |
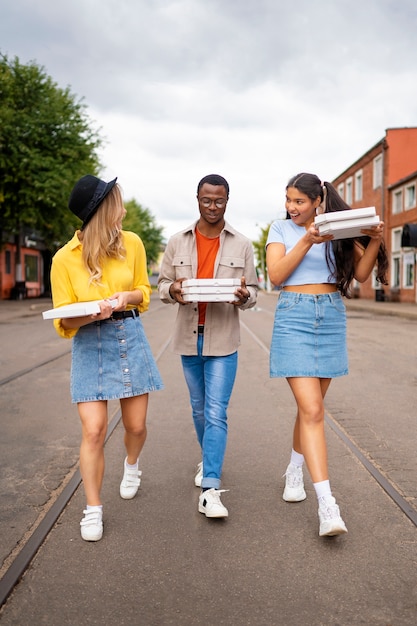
162	563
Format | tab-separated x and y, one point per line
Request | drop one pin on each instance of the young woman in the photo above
111	357
309	335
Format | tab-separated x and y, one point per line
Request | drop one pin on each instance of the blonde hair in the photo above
102	236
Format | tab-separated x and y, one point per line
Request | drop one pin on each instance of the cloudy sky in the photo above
255	90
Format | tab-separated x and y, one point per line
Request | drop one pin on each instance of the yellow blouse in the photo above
70	280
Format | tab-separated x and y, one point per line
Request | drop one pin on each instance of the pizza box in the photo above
346	224
210	297
77	309
348	228
208	289
350	214
211	282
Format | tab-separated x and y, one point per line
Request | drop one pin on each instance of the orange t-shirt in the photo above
207	249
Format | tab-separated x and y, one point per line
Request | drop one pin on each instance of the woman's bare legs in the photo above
309	437
310	441
134	412
93	417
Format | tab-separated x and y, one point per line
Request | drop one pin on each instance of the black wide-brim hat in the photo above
87	195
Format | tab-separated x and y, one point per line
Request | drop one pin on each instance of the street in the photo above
266	564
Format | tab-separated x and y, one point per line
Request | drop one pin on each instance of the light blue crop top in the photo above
313	268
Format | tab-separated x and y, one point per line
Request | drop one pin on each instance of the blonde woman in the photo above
111	357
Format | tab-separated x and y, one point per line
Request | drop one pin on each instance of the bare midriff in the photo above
313	289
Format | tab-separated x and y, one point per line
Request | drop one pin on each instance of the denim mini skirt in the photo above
112	359
309	336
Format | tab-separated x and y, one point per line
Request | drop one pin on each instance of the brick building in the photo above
386	177
30	279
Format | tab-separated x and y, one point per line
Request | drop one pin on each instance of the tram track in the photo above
382	480
32	368
20	559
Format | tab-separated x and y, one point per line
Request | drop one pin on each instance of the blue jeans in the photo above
210	381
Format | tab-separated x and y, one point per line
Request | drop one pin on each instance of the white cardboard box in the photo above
346	224
211	282
210	289
210	297
77	309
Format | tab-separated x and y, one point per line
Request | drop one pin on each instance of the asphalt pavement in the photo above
162	563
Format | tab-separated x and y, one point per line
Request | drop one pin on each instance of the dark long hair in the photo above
343	265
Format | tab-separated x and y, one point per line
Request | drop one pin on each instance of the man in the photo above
207	335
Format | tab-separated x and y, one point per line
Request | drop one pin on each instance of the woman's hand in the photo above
376	232
124	298
313	235
106	311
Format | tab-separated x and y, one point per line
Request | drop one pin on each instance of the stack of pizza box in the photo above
346	224
210	289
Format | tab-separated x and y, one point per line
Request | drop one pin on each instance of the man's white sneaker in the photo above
92	525
130	482
199	476
210	504
294	484
329	515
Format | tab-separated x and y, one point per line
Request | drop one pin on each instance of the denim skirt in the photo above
309	336
112	359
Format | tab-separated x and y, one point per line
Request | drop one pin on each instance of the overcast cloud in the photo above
255	90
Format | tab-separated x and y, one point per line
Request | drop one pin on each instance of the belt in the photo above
201	329
121	315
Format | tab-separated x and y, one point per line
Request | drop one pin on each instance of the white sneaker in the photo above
294	484
199	476
92	525
329	515
130	482
210	504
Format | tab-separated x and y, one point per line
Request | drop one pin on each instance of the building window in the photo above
378	171
396	256
341	190
410	197
349	196
358	186
8	262
408	270
397	205
31	268
396	240
395	273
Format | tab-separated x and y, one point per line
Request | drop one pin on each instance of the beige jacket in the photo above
234	260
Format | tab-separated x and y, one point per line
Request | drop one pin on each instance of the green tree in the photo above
46	143
142	222
259	249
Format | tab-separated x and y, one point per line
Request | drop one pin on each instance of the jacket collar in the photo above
226	228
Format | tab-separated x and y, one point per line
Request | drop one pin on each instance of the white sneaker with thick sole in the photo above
92	525
331	523
294	484
210	504
130	482
199	476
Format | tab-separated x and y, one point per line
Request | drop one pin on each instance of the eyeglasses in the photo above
206	202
